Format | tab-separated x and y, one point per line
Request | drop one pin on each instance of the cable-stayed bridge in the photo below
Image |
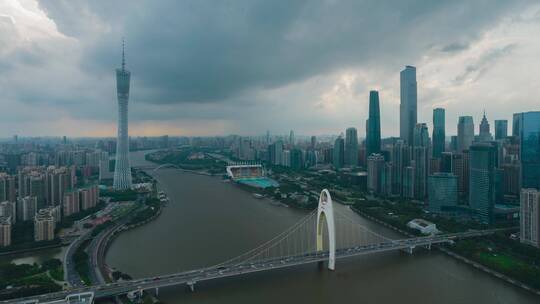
323	235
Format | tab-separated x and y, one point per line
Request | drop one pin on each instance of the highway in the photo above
191	277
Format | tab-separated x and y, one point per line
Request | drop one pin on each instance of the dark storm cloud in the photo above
210	51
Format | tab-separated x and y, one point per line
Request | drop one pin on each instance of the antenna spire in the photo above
123	55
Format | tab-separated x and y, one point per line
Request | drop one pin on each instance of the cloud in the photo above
234	61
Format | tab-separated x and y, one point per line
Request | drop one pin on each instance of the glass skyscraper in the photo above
351	147
529	134
465	133
439	134
122	169
373	129
338	153
483	179
501	129
408	104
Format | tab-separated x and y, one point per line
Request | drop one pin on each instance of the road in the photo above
70	274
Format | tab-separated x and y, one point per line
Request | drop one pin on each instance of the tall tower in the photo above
122	169
373	131
408	104
351	147
465	133
439	133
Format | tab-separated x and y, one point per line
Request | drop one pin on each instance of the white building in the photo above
423	226
530	217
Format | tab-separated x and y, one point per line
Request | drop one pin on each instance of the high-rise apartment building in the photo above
530	217
122	169
44	225
408	104
5	231
375	173
373	126
26	208
439	134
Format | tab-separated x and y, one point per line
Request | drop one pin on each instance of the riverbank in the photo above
453	254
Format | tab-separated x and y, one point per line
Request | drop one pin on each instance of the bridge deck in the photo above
205	274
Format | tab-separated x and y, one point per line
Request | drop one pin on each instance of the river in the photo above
209	221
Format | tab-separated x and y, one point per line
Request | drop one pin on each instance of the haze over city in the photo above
250	151
220	68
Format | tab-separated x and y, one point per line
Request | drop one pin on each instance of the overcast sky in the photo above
246	66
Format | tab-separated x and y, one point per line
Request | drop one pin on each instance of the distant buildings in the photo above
530	217
373	125
351	147
439	134
465	135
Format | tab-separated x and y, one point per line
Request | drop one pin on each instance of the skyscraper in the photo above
420	135
501	129
465	133
407	107
122	169
529	134
351	147
338	153
442	191
375	172
291	138
439	133
485	134
482	179
373	129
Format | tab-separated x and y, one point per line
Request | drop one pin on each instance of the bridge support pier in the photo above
191	285
157	291
409	250
428	246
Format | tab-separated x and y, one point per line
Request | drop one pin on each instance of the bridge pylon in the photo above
325	213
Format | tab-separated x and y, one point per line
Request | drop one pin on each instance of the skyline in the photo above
464	71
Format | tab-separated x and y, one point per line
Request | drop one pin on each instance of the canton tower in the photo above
122	169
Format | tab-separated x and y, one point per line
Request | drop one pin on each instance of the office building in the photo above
501	129
485	134
482	180
465	133
421	135
439	134
351	147
339	153
122	169
442	191
373	125
297	159
408	104
529	134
